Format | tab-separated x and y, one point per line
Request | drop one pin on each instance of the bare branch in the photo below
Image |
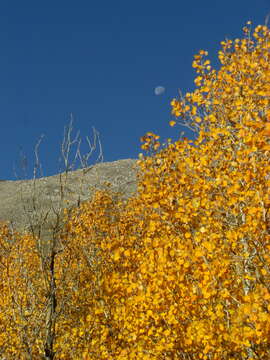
68	143
67	146
37	162
46	228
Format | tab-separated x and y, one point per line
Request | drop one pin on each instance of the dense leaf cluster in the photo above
182	270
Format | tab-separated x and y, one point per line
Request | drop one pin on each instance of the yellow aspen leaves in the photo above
202	229
181	269
116	256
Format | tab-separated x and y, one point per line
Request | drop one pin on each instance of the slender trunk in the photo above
51	311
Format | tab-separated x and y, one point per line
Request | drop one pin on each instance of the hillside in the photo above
26	202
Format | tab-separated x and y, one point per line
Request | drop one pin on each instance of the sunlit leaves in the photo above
182	269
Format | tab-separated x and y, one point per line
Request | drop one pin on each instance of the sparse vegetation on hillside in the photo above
182	269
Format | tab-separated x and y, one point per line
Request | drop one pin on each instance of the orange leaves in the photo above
150	142
152	226
236	92
184	263
22	295
177	108
266	130
117	255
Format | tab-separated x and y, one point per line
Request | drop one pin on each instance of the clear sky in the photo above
101	61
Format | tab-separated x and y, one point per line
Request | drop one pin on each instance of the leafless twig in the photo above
50	246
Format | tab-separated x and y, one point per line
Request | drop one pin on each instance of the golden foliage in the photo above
181	271
22	297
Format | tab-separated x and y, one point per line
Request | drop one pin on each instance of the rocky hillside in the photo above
31	202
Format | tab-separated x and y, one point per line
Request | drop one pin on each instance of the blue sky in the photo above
101	61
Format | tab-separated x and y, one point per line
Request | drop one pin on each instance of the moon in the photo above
159	90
